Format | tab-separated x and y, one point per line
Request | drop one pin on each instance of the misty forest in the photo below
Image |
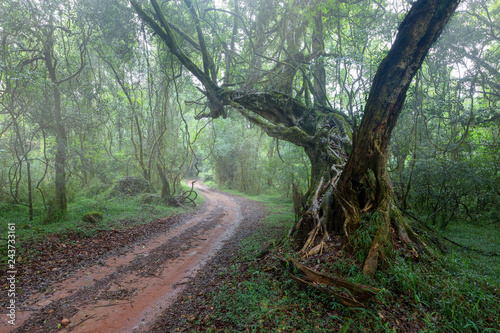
250	165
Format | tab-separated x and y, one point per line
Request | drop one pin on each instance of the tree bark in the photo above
319	73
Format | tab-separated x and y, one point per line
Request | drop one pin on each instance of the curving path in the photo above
127	293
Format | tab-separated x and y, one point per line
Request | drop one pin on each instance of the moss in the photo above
294	135
92	217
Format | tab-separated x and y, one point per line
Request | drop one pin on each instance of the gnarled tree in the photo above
350	187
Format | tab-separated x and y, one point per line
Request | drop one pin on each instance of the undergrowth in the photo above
460	292
117	213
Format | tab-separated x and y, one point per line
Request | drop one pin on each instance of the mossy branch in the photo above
291	134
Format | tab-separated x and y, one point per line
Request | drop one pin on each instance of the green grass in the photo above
483	268
460	292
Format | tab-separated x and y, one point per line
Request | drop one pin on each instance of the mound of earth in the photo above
130	186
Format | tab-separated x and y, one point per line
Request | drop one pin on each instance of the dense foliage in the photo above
101	121
88	96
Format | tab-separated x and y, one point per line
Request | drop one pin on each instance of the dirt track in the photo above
128	292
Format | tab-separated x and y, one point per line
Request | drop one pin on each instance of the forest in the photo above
354	146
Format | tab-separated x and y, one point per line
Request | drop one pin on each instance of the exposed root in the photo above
380	242
312	237
324	215
407	235
351	214
318	248
371	262
338	171
404	233
314	213
335	209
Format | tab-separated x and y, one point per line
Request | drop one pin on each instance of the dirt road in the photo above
128	292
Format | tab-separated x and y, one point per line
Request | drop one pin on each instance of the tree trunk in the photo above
30	190
60	162
165	185
319	73
60	202
364	192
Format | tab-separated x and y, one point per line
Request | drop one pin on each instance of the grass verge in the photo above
460	292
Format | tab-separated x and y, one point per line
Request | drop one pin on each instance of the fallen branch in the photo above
346	301
305	275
